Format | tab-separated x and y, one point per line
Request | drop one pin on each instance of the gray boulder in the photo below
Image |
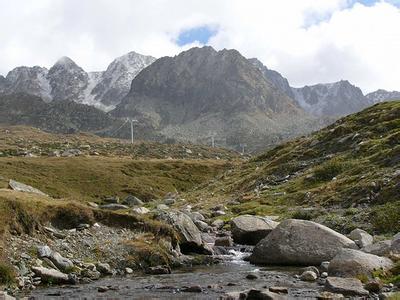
113	206
132	201
60	262
299	242
104	268
218	224
346	286
381	248
196	216
140	210
169	201
44	251
361	237
190	239
395	247
162	207
224	241
21	187
351	263
203	226
254	294
249	230
50	275
308	276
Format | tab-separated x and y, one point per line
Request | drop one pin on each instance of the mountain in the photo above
114	84
274	77
383	95
57	116
3	84
333	99
32	80
321	100
202	93
66	81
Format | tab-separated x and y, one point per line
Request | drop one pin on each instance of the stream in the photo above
215	280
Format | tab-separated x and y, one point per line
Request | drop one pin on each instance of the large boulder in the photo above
132	201
22	187
61	262
299	242
395	247
190	239
352	263
361	237
381	248
346	286
249	230
50	275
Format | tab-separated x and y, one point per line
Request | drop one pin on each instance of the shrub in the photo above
7	274
328	170
386	218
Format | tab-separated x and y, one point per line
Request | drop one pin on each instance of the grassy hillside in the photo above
92	178
346	175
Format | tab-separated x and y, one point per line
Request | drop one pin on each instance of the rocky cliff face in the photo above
32	80
114	84
202	92
67	80
274	77
333	99
383	95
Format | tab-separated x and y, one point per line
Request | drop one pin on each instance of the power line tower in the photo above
212	136
132	121
243	146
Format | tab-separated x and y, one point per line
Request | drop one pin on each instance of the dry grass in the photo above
92	178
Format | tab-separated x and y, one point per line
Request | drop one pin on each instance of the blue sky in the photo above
200	34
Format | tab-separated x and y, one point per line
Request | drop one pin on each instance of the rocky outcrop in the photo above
21	187
190	239
352	263
299	242
249	230
361	237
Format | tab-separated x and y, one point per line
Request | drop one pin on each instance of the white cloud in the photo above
308	41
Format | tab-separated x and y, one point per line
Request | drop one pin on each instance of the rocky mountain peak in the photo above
203	90
67	80
29	80
382	95
65	62
115	82
331	99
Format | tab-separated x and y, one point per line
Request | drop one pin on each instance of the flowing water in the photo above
215	280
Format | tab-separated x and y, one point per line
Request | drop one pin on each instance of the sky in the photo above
307	41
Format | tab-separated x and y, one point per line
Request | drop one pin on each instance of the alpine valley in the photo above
197	96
